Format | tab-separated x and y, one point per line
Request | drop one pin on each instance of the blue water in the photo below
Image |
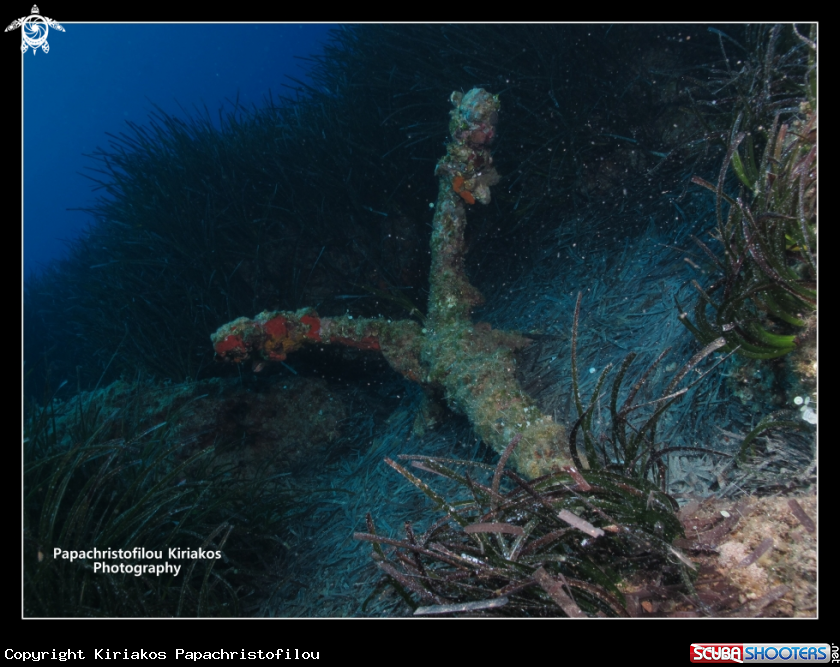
97	77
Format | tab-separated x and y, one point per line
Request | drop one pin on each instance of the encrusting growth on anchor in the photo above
471	364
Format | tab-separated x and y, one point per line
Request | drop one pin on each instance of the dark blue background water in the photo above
96	77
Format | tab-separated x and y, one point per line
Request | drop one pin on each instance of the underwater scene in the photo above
470	320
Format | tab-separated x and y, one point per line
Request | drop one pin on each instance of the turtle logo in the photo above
35	30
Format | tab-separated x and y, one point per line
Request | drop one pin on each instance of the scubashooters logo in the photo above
34	31
760	653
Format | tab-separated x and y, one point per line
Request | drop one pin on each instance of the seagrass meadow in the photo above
481	320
